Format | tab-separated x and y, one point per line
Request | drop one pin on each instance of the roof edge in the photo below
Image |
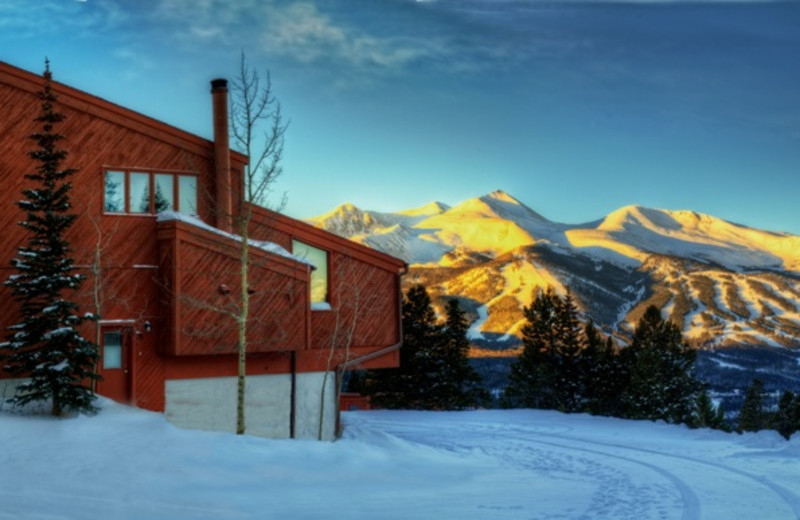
112	112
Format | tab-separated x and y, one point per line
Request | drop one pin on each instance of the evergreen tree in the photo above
720	421
706	415
602	374
459	383
549	373
568	383
414	383
591	368
752	415
661	384
785	421
45	346
796	413
531	380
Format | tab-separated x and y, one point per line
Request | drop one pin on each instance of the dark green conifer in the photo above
706	415
567	376
752	415
661	384
785	421
44	347
459	382
434	372
531	382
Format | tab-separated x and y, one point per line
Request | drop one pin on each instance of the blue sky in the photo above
575	108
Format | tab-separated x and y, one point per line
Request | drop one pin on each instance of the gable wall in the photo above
98	134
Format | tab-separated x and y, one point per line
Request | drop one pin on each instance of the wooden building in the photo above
154	239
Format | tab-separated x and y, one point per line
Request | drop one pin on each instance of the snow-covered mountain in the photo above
724	283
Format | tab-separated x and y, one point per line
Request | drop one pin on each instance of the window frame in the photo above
151	176
328	256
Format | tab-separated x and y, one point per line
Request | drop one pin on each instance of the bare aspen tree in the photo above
341	339
258	130
356	302
97	272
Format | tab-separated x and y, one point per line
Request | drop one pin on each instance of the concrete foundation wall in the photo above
210	404
307	406
8	389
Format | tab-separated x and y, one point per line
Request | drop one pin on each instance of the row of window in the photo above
149	192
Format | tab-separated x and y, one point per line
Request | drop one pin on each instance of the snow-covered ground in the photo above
492	464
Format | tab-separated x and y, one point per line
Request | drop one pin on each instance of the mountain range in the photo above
724	284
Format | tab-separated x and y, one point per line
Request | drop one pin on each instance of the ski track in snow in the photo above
623	492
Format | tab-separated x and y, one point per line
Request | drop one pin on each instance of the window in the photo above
319	276
139	193
149	192
164	198
112	350
115	191
187	194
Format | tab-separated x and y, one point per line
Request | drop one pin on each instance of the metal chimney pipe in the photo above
222	154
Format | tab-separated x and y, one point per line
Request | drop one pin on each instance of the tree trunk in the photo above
242	323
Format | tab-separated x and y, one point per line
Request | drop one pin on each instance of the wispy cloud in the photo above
45	17
302	32
299	31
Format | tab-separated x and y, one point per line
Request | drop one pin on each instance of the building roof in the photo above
101	108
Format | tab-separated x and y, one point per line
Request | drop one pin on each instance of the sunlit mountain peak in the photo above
431	208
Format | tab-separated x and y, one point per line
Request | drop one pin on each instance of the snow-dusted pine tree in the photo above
44	346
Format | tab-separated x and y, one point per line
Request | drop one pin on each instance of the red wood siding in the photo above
364	307
364	292
201	295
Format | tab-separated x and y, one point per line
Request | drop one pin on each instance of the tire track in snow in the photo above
692	507
690	503
788	497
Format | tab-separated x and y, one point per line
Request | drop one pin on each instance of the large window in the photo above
149	192
319	276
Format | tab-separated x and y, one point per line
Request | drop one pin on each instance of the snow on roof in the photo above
269	247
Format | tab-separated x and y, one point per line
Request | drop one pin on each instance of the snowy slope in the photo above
493	252
637	231
511	464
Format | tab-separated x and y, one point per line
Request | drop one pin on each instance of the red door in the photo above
115	365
